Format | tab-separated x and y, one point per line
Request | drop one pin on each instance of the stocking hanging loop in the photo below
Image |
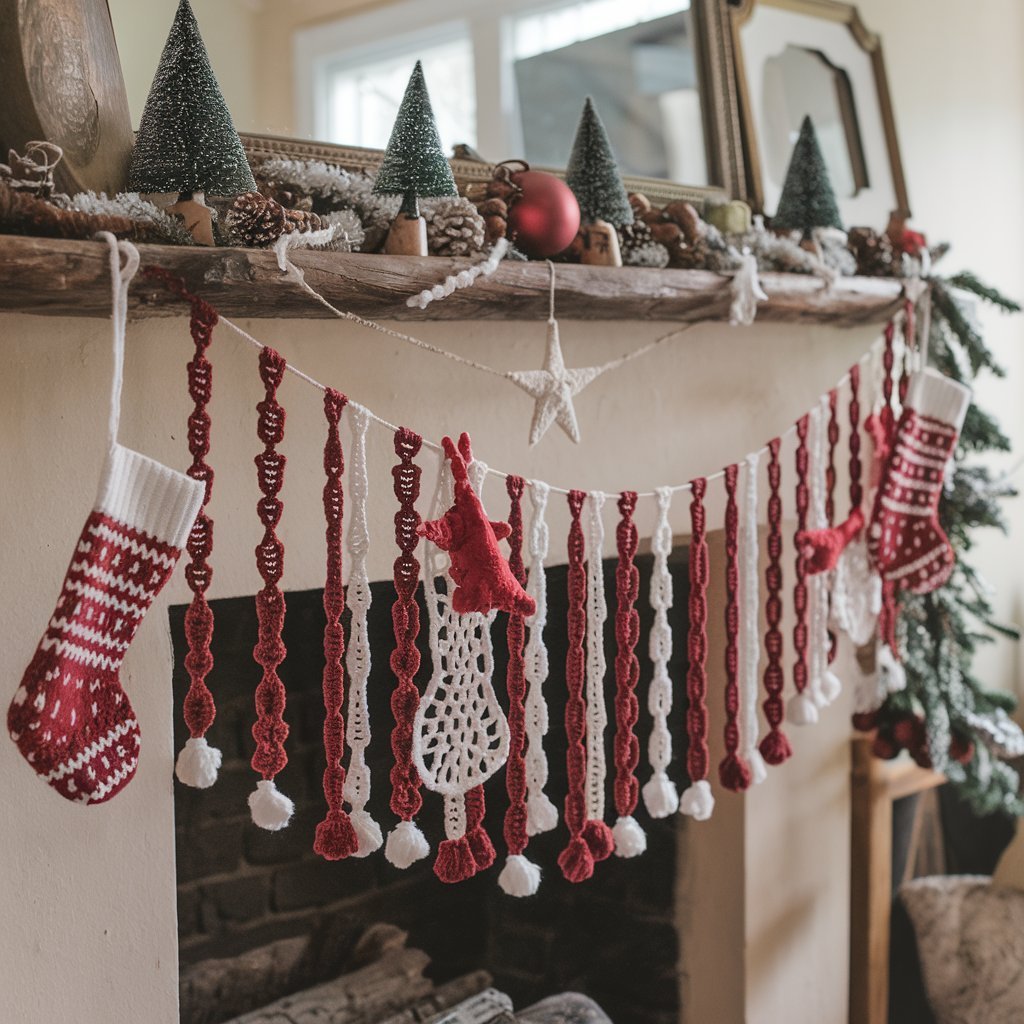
121	275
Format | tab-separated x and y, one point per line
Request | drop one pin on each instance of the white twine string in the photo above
541	814
597	615
750	635
120	279
501	474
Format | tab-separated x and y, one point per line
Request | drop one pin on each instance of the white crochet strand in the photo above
827	686
750	634
357	654
541	813
597	614
463	279
661	798
451	760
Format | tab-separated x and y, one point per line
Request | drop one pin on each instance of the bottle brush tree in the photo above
593	173
414	166
186	141
808	200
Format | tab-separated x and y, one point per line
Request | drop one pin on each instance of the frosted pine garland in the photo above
541	813
597	614
357	654
750	634
661	797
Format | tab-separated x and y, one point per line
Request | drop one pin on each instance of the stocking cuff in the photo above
147	496
934	395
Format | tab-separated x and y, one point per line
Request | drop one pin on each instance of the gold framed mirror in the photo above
816	57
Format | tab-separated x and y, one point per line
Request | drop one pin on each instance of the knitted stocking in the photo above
905	539
70	717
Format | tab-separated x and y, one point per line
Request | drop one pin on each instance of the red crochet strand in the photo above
480	845
405	617
697	639
856	468
800	637
576	860
627	666
199	708
774	747
733	771
270	730
516	836
335	836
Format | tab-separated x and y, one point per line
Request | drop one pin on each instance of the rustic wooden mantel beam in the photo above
70	278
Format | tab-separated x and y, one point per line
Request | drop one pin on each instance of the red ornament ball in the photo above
544	217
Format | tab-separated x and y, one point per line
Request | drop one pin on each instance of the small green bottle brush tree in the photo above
808	200
414	167
186	141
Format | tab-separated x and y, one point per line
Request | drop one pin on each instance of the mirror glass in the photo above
507	80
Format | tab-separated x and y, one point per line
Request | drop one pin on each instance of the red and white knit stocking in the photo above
70	717
905	539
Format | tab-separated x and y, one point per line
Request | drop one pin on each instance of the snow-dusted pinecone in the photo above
639	249
872	251
454	227
301	220
256	221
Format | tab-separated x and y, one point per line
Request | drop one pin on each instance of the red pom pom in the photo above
544	217
884	747
775	748
599	839
454	861
865	721
908	731
576	861
335	837
734	773
961	748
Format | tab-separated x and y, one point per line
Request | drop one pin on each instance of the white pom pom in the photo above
368	834
661	798
270	808
801	710
891	672
519	876
541	815
630	838
697	801
758	769
198	763
406	845
830	687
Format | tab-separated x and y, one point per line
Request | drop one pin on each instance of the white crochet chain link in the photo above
460	734
750	635
597	614
659	696
541	814
357	655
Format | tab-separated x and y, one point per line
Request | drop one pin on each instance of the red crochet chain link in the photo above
697	639
800	587
833	445
856	467
576	860
199	708
335	836
774	747
270	730
733	770
627	666
405	659
515	772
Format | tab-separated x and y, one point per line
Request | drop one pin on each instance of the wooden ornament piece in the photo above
197	216
407	237
600	245
60	79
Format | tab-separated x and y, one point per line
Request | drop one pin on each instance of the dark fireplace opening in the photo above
240	889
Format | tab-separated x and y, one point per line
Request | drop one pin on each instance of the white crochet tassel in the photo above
697	801
597	614
463	279
406	844
661	798
357	653
270	808
750	636
198	763
630	838
519	876
541	813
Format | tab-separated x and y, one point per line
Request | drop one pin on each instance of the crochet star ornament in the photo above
554	388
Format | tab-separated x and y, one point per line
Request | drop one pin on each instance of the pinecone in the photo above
256	221
301	220
639	249
454	227
872	251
